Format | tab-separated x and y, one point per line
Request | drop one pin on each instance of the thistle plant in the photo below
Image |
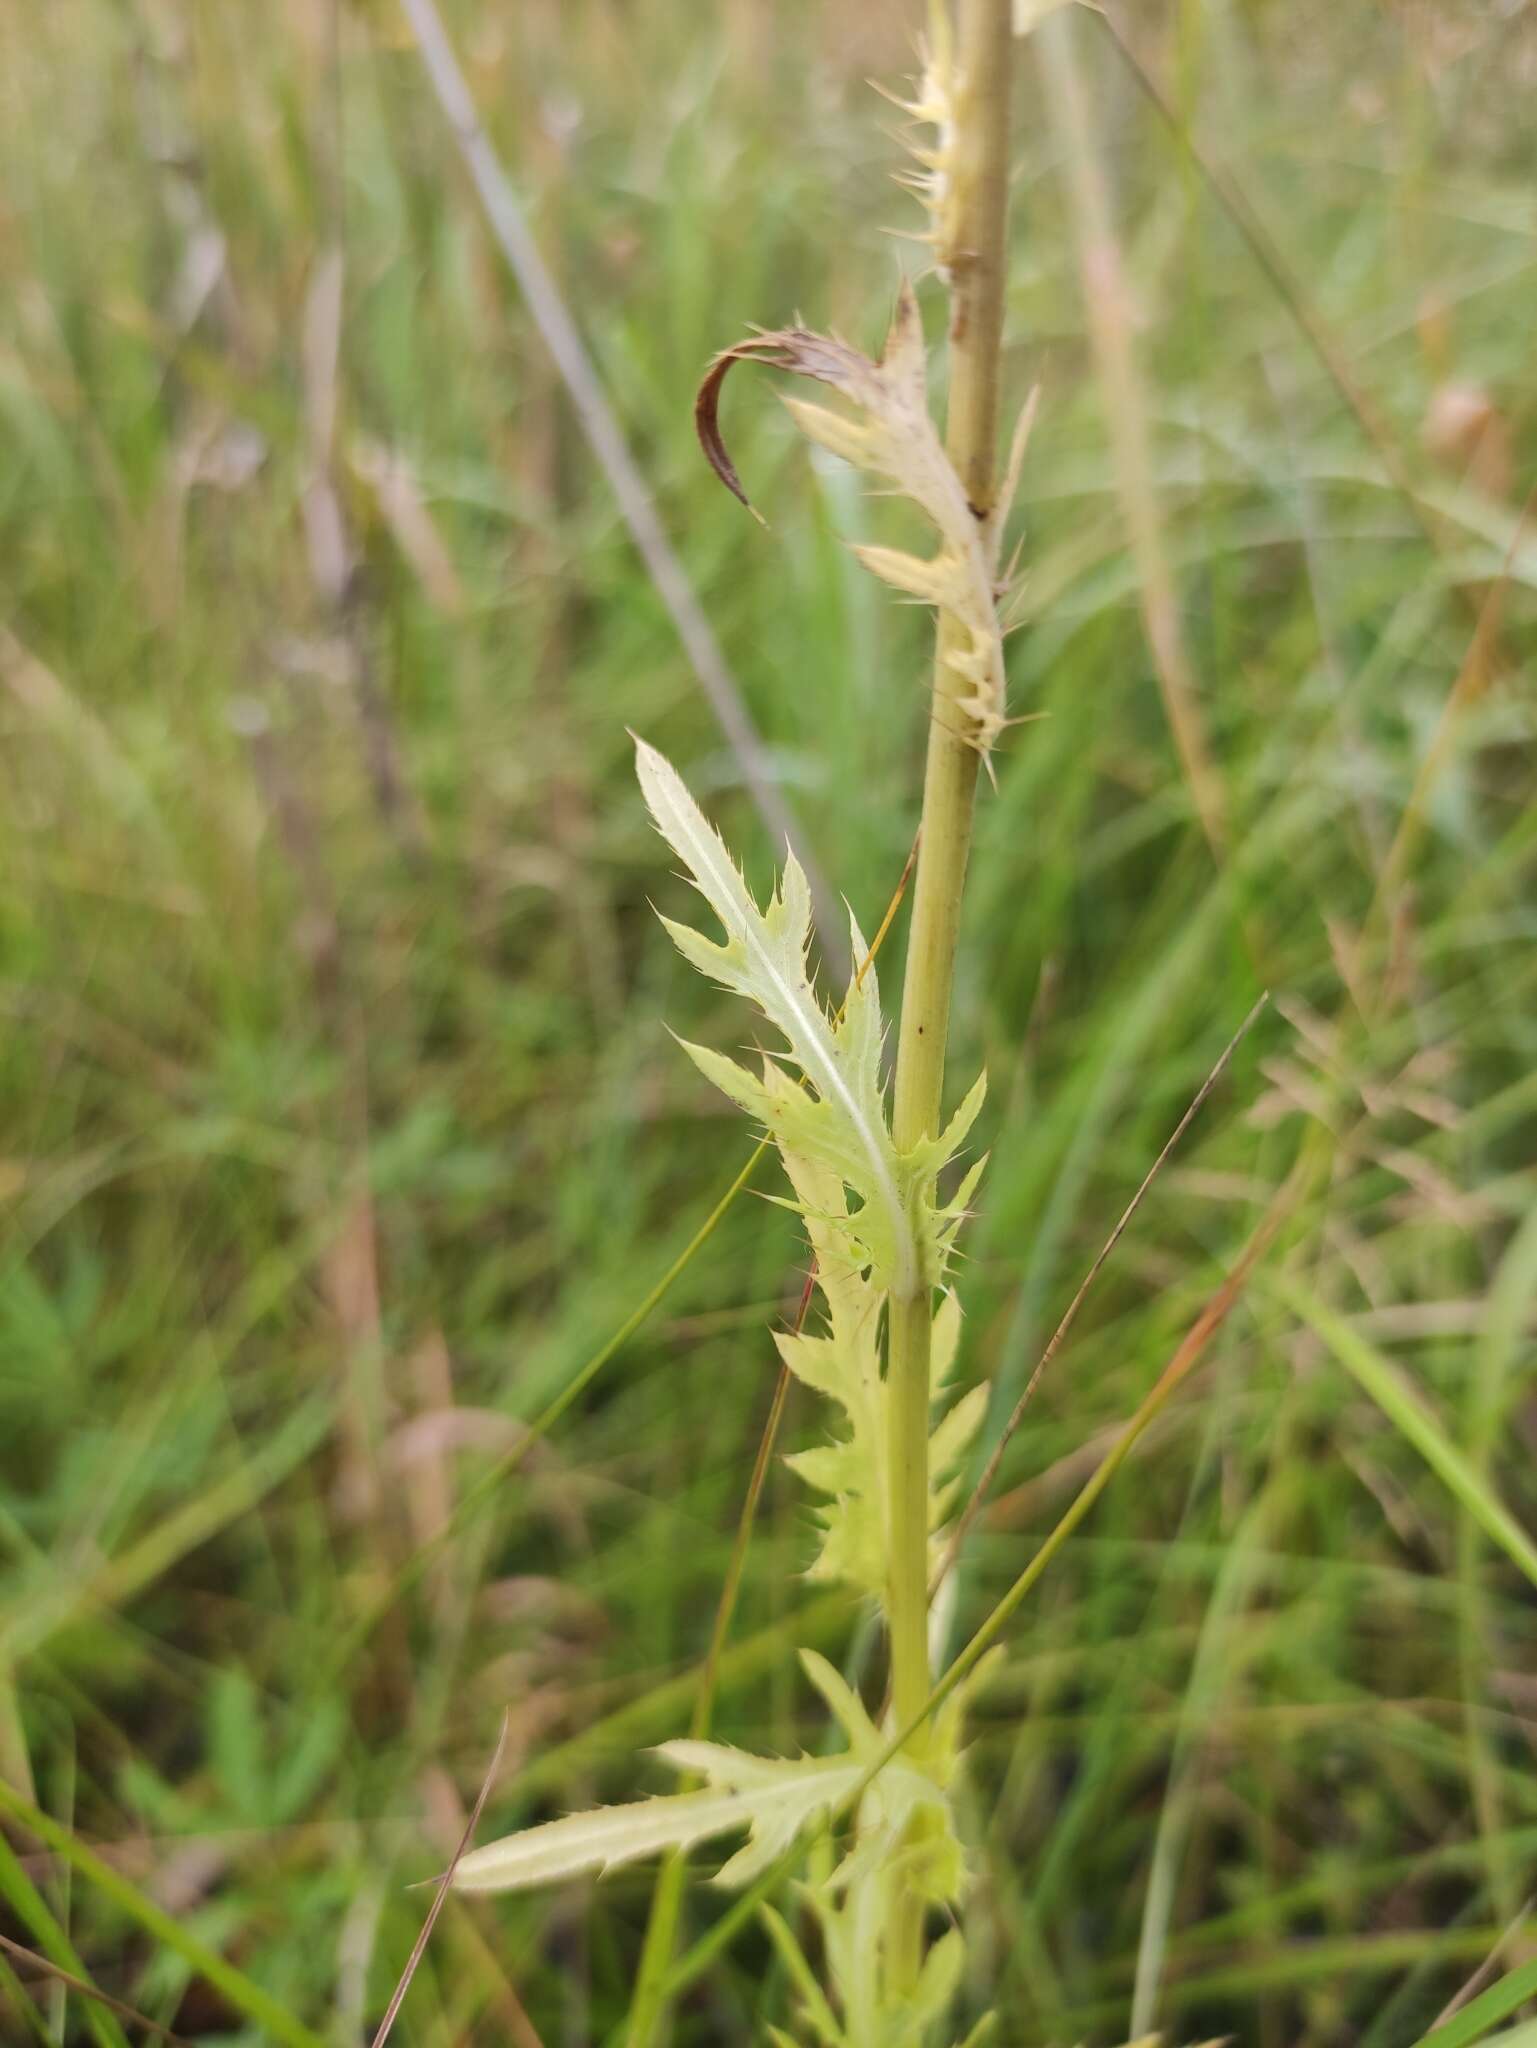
871	1168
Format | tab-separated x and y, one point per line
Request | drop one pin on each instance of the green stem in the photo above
975	260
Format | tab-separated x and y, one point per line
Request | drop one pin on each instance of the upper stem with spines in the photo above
974	264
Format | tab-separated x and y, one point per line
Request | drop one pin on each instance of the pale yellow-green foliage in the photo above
933	106
879	1227
774	1798
835	1142
876	1226
896	1233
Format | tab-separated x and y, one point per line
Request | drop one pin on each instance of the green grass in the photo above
329	1110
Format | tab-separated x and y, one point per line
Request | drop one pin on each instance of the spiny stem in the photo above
980	153
1299	1188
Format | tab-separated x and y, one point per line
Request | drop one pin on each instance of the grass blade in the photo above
490	1483
1109	318
246	1996
83	1988
1058	1336
34	1913
1404	1406
606	438
1476	2019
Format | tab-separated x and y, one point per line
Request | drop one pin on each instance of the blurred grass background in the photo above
340	1121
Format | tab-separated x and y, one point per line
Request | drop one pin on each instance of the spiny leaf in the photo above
764	958
773	1797
896	1235
893	436
842	1365
933	105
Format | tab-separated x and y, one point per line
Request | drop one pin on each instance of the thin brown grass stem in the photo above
606	438
440	1894
990	1470
1262	246
1471	679
1187	1356
83	1988
1107	310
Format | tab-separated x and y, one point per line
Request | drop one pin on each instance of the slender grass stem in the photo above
1108	316
984	1485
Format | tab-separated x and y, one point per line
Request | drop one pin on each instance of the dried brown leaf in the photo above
892	436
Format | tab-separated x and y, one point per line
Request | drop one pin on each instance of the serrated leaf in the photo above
871	1213
893	436
930	581
842	1124
936	105
829	1467
853	1471
775	1798
893	1235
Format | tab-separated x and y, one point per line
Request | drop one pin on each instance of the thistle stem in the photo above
979	170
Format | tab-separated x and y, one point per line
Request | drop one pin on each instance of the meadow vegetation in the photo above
344	1129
